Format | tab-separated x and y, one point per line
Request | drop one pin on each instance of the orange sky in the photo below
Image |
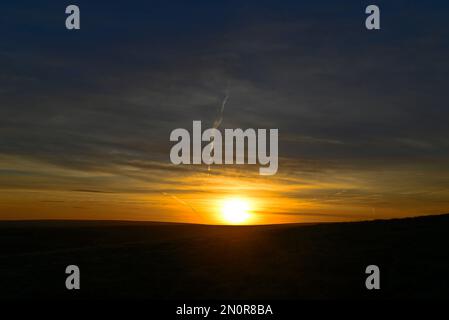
194	194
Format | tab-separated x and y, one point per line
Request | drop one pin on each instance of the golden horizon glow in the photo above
34	189
236	211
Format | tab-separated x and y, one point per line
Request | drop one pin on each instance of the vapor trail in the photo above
180	201
219	119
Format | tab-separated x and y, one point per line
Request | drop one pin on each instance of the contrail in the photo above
180	201
219	120
217	123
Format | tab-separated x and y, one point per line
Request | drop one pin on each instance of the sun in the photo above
236	211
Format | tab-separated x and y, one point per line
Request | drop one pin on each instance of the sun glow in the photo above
236	211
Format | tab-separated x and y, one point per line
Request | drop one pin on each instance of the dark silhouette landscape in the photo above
182	261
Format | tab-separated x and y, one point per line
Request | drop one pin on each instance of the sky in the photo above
86	115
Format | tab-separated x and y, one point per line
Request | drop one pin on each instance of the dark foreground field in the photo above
151	260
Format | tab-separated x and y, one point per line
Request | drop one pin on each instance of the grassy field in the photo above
181	261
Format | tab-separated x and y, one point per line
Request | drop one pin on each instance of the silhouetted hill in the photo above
160	260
